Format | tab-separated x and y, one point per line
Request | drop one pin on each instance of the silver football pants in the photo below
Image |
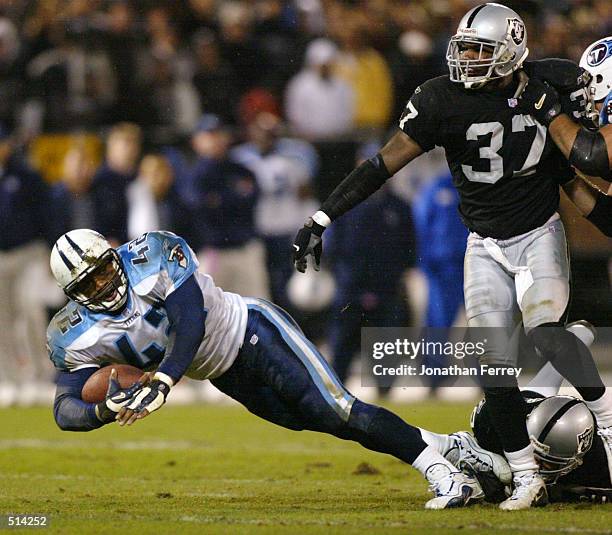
525	277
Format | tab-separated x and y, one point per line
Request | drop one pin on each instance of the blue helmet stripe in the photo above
68	263
78	250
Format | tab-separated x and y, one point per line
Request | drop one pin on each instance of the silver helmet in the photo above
499	36
561	428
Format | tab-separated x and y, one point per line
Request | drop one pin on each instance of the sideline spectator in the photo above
24	277
319	104
215	80
223	199
123	147
73	200
370	248
153	202
284	184
367	72
441	241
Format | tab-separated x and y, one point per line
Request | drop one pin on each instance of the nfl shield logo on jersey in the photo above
517	30
513	102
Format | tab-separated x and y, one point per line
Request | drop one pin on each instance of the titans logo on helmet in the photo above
599	53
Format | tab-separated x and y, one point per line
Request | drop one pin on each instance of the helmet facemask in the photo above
496	37
552	467
112	295
561	429
495	60
591	118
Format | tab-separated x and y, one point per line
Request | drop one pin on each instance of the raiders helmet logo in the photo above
585	440
599	53
517	30
178	255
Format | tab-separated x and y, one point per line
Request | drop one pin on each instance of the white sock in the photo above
522	462
441	443
546	382
427	458
602	409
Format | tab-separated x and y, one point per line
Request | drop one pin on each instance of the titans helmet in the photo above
597	59
89	271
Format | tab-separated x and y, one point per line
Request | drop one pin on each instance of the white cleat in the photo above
451	489
583	330
529	491
466	451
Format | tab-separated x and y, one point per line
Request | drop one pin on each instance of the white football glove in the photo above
116	398
147	399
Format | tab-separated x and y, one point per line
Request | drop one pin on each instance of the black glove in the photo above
308	242
570	80
116	398
563	74
540	100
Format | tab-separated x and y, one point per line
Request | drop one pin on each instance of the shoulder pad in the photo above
563	74
68	326
142	256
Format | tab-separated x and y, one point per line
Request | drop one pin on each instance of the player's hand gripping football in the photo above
307	243
541	100
147	399
116	397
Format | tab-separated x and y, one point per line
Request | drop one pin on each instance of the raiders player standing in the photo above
575	462
507	173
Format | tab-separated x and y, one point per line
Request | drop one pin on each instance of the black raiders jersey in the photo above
591	478
504	165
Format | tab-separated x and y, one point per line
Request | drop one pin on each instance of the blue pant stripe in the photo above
324	378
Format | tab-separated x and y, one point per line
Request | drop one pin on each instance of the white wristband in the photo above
164	378
322	219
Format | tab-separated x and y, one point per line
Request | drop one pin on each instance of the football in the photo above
95	388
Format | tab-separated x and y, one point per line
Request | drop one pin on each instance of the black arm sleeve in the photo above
601	214
356	187
589	154
70	411
185	307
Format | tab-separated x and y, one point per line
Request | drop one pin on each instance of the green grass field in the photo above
218	469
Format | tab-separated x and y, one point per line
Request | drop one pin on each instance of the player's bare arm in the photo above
591	151
362	182
399	151
584	190
586	149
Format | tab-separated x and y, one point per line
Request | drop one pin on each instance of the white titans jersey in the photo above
280	208
156	264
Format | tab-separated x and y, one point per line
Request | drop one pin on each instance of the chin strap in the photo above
523	79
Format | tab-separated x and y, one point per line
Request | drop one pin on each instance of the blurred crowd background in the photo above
227	122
